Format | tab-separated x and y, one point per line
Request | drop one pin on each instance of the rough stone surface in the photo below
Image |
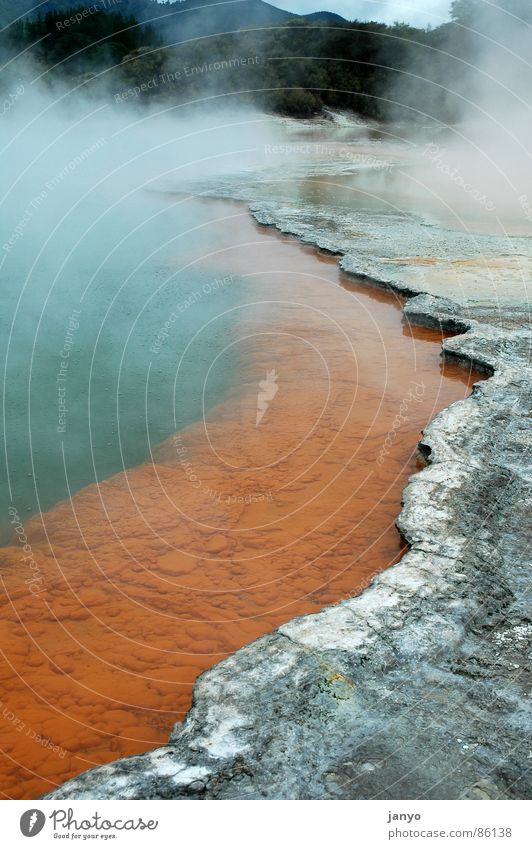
409	254
395	248
417	688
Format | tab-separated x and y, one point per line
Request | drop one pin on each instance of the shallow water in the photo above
278	499
77	351
452	179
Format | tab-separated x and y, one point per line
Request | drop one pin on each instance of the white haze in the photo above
479	168
84	228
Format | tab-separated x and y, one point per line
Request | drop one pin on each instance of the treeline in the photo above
77	39
296	67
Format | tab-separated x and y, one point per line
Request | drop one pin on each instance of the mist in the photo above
99	242
476	164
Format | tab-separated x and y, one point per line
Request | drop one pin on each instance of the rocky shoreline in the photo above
417	688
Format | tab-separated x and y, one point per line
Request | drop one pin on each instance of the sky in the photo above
417	12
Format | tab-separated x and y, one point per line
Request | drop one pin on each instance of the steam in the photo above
86	235
478	167
98	242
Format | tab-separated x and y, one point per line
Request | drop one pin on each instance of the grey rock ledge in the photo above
416	688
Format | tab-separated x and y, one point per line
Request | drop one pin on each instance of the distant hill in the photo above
176	21
245	51
327	17
254	52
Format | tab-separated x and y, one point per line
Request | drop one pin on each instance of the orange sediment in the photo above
232	527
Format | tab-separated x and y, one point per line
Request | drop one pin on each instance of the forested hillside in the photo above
292	65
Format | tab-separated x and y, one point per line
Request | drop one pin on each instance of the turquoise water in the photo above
103	340
97	369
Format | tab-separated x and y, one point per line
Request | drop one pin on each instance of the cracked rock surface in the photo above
418	687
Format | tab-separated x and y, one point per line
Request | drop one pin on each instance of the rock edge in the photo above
416	688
